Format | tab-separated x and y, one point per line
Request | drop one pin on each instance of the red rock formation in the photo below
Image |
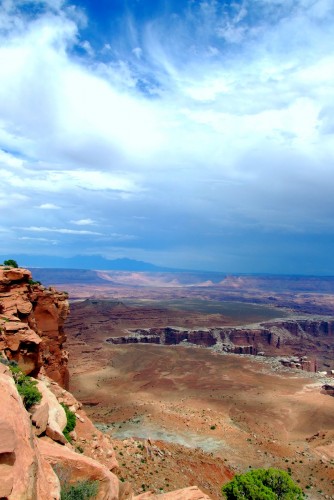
87	437
24	474
78	467
31	324
27	463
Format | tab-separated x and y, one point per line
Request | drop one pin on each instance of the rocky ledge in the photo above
33	445
31	324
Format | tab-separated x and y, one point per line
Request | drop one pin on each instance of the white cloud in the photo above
83	222
60	230
138	52
48	206
57	107
40	240
223	117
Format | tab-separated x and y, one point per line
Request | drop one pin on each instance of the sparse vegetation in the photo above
33	282
10	263
26	386
82	490
71	422
262	484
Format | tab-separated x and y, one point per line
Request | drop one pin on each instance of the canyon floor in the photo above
184	415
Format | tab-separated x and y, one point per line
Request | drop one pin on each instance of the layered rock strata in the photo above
300	337
32	324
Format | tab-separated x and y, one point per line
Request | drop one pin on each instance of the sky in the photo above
195	134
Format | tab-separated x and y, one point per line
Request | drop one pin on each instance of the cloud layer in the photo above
200	136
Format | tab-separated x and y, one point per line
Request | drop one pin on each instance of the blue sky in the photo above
191	134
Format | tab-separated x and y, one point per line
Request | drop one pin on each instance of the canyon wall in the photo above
297	337
31	324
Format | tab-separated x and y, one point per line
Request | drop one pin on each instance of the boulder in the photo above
57	420
18	274
24	474
73	467
40	418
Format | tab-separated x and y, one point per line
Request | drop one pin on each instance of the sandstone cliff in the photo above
35	457
31	324
32	443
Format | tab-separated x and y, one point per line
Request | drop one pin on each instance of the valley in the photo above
189	414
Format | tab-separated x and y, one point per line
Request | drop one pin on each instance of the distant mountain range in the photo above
85	262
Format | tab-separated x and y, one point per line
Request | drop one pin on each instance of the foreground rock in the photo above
49	416
24	473
27	463
71	466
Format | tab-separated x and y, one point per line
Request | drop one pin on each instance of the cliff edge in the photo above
31	324
39	457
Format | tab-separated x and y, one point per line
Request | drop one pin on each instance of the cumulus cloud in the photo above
202	124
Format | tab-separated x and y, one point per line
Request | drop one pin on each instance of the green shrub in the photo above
82	490
33	282
26	386
29	392
262	484
10	263
71	422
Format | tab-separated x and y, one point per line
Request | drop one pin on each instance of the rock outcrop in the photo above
49	416
35	457
32	444
31	324
24	473
73	467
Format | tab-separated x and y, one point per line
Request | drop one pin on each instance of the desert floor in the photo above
186	415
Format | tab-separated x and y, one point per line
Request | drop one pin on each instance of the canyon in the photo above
232	380
37	458
177	385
